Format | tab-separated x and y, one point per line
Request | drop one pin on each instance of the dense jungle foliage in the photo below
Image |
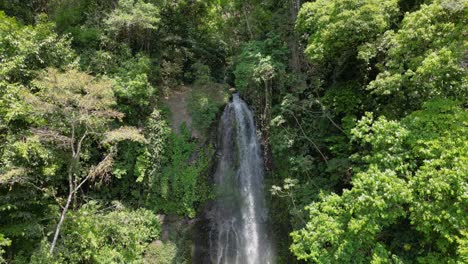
361	106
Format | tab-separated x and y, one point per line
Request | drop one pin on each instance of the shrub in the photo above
95	235
204	104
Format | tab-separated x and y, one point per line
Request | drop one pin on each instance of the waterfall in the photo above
238	227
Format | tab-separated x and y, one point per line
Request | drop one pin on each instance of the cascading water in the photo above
238	227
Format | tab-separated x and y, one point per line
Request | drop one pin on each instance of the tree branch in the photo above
80	142
310	140
72	143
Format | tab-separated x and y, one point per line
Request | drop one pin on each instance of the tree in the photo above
133	90
77	110
27	168
336	29
26	49
133	20
407	198
423	59
258	72
26	10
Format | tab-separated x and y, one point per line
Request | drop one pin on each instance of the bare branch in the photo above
72	143
333	122
327	115
103	169
80	142
310	140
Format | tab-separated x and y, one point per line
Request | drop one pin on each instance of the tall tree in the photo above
336	29
424	59
77	110
132	21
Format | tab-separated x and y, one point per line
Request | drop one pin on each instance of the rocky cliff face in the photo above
185	240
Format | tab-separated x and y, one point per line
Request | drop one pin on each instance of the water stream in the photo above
238	232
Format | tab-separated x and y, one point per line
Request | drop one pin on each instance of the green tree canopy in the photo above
407	198
424	58
336	29
132	20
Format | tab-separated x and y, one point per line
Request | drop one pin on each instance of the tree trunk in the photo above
69	200
295	6
297	60
247	22
266	125
62	218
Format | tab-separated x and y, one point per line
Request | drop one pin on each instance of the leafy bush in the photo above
4	242
93	234
172	69
133	89
343	98
178	184
26	49
72	17
173	169
160	253
204	104
202	73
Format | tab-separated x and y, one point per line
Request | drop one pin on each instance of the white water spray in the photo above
238	234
